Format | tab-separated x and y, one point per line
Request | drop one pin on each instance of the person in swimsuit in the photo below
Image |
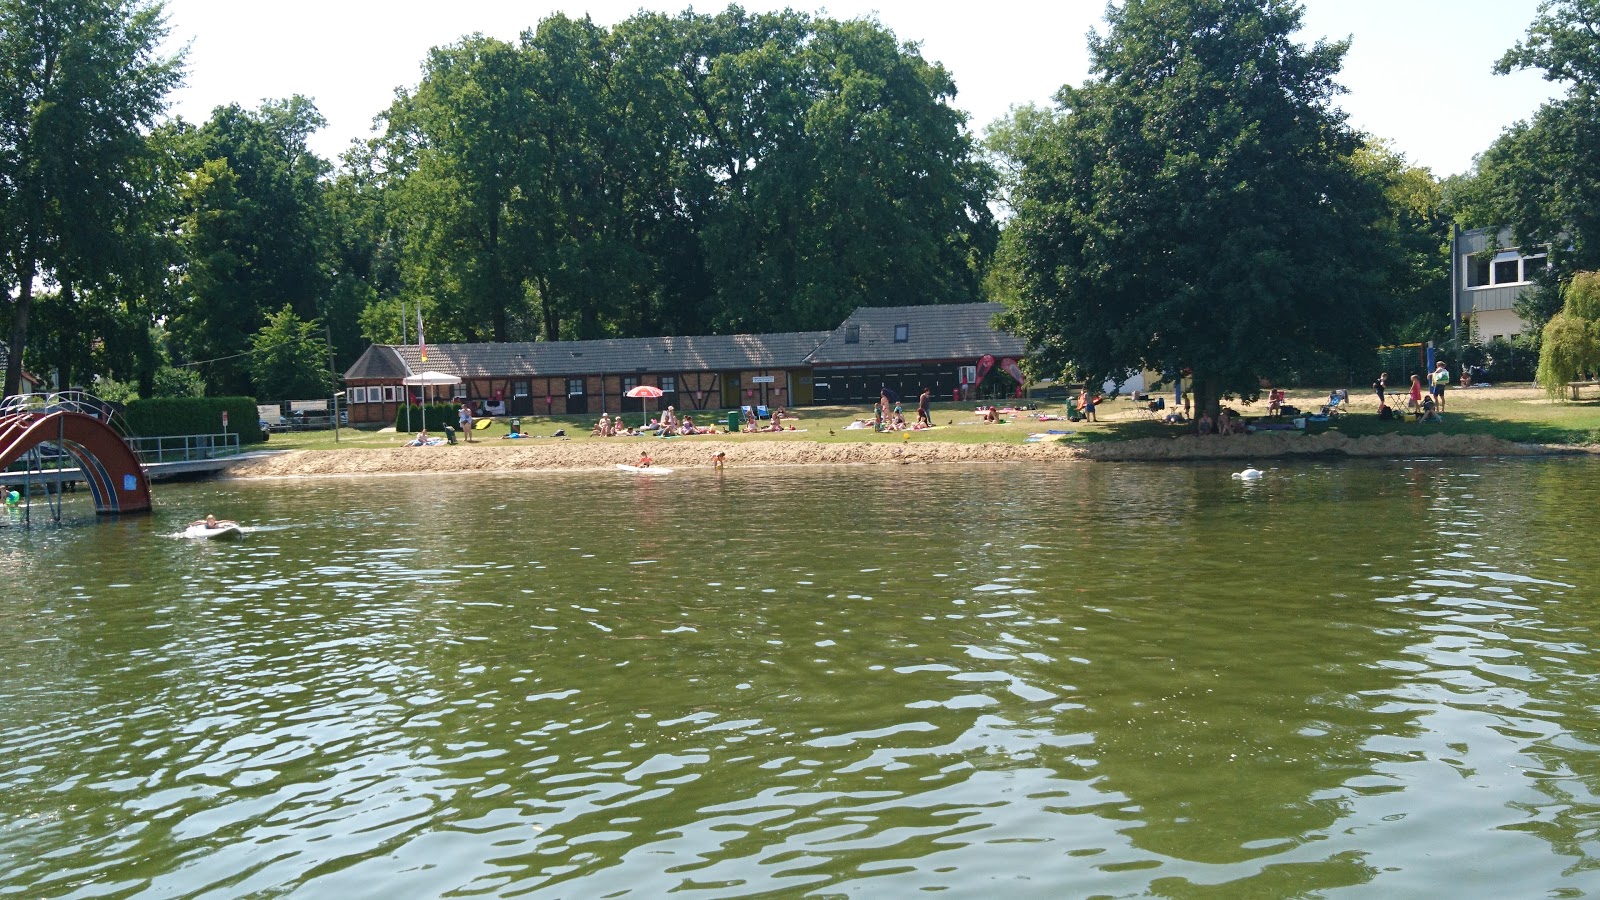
644	459
1379	387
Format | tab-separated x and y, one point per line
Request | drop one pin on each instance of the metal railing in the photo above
184	447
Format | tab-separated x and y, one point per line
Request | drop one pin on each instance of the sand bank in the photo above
551	456
555	456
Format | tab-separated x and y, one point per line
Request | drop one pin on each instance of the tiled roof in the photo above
614	356
945	332
380	361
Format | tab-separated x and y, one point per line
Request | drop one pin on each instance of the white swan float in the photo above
1250	474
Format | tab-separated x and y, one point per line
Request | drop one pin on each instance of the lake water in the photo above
1349	679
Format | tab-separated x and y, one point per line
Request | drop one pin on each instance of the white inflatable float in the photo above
223	529
643	470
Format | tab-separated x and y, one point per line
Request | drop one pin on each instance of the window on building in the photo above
460	392
902	334
669	384
852	334
358	395
1534	266
1479	270
629	384
519	389
388	393
1507	271
574	387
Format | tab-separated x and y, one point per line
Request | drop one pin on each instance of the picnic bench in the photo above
1575	387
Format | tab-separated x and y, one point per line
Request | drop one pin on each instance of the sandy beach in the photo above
556	456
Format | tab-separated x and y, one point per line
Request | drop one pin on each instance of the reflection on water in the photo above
1025	681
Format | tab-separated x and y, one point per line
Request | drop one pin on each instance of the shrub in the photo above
169	416
438	416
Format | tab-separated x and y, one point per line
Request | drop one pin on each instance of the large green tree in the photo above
83	84
1195	206
681	174
1541	176
253	234
289	358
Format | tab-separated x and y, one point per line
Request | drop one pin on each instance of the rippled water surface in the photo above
1098	680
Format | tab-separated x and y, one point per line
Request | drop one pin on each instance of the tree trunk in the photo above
19	322
1207	398
64	368
552	318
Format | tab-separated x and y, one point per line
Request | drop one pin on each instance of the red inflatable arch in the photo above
118	482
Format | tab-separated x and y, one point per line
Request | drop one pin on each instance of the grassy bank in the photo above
1519	413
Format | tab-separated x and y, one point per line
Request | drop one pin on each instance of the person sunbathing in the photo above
421	440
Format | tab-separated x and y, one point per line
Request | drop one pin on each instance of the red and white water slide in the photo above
76	424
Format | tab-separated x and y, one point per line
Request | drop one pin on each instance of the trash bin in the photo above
516	424
733	422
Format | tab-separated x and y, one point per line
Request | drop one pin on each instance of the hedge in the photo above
439	415
171	416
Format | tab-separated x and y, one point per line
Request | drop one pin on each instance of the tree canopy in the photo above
728	172
1196	205
83	86
1571	344
1541	177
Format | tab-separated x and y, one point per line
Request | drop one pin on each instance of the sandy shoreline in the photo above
588	456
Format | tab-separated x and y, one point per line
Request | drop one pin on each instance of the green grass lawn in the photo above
1519	414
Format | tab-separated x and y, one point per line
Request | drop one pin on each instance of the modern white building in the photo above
1488	274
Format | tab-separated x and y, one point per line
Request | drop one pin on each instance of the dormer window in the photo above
902	334
852	334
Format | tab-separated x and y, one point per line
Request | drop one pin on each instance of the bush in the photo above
1505	360
170	416
438	416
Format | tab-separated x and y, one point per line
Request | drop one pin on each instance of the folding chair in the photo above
1338	403
1155	408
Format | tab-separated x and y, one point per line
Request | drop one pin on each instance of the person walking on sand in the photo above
1436	383
924	415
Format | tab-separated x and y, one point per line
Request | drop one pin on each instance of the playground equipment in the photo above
78	425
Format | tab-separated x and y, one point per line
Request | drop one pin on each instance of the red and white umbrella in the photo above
646	392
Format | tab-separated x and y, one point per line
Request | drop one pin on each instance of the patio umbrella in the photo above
426	379
646	392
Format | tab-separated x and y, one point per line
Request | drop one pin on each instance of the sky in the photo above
1418	71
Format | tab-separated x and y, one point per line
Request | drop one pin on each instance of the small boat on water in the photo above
223	528
643	470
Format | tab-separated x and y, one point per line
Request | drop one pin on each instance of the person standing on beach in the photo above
465	419
924	416
1436	383
1415	400
1379	386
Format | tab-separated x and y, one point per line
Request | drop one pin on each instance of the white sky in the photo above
1418	70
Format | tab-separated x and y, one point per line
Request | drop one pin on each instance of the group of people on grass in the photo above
889	415
1424	407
